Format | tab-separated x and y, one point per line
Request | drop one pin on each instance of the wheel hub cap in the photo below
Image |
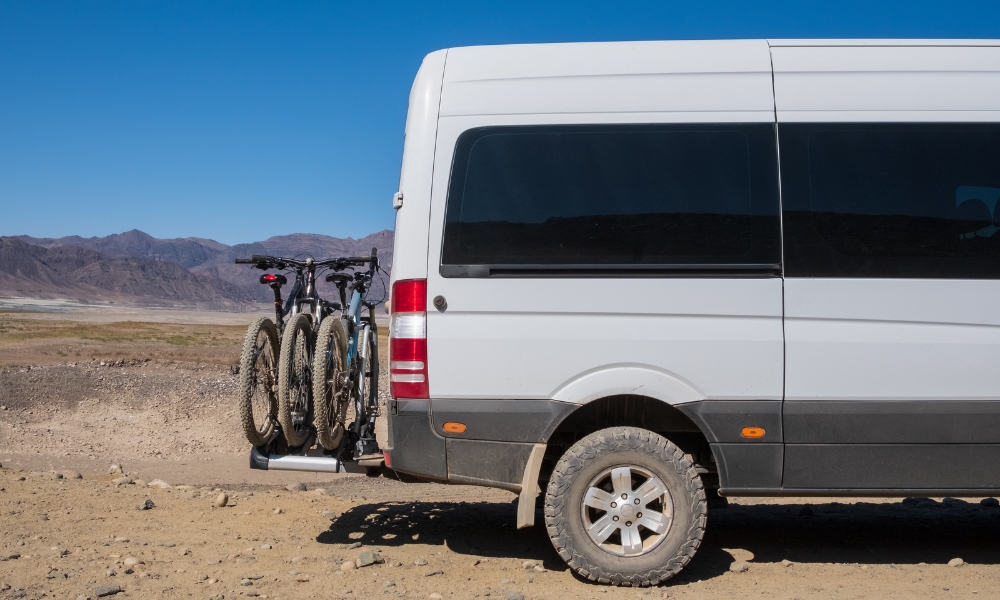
627	511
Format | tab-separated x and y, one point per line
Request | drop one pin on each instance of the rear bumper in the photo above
507	432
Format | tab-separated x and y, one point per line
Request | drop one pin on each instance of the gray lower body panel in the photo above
890	466
892	421
892	444
525	421
809	447
413	446
492	464
416	448
748	466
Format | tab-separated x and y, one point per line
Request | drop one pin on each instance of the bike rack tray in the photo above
291	462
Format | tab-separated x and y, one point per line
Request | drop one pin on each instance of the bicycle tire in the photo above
295	381
330	398
258	400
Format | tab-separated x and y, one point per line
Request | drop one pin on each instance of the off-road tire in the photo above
259	381
624	446
330	399
296	360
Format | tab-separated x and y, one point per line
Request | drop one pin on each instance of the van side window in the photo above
606	195
891	200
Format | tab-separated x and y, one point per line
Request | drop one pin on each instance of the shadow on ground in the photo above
908	532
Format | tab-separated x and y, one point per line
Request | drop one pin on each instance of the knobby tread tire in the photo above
258	434
587	560
297	326
331	333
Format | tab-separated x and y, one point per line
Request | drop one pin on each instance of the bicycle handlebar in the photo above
261	259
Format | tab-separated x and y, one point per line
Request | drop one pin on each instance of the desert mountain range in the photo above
136	268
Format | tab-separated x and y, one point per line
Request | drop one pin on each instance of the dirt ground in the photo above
161	406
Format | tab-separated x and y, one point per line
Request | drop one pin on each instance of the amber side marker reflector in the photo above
752	432
454	427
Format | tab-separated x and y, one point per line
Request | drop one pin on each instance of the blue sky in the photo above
241	120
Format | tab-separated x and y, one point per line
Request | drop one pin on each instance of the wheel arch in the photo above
628	410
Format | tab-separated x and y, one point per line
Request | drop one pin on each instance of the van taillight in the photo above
408	340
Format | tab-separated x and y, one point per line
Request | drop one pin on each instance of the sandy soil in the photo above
163	409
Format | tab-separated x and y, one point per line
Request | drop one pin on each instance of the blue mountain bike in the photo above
345	371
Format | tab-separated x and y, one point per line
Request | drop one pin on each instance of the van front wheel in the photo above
625	506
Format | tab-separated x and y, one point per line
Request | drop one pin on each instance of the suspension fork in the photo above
312	296
362	364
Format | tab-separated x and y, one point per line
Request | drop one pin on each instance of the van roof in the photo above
730	79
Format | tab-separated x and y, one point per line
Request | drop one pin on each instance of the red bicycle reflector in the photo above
270	277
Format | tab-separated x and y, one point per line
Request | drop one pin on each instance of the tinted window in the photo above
614	195
896	200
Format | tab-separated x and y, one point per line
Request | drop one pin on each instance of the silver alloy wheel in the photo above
627	511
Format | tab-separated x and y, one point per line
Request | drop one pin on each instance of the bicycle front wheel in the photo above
258	391
295	381
331	389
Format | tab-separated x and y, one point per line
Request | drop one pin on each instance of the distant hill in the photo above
134	267
186	252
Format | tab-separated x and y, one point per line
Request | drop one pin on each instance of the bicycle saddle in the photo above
339	278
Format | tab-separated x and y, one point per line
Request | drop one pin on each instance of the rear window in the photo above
891	200
594	197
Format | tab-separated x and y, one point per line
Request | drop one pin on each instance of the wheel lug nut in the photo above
638	516
614	518
614	505
628	523
637	501
624	496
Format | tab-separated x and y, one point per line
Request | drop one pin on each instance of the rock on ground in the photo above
739	567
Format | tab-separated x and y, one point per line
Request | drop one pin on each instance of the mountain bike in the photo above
278	392
345	384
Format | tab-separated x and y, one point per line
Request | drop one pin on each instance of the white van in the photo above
634	276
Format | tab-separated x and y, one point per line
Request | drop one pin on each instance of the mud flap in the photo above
529	487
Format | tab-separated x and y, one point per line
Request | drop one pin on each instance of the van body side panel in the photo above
889	180
410	245
518	350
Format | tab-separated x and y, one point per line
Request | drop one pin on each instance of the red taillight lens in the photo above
408	340
270	278
409	296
